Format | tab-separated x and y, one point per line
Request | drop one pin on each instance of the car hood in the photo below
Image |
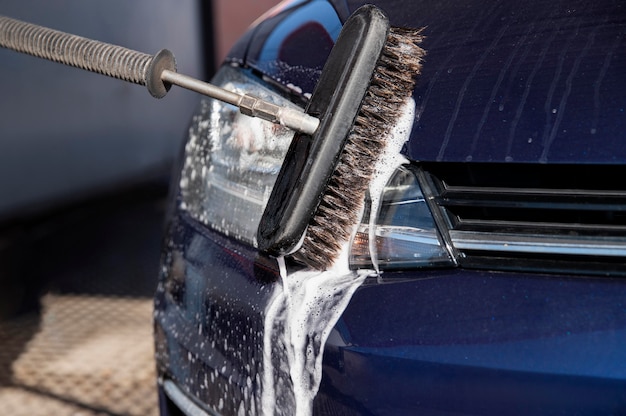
503	81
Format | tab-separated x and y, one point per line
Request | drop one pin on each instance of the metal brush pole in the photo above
157	73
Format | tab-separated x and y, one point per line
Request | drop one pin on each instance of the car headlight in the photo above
232	160
231	164
405	232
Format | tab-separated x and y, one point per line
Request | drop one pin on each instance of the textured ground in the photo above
85	355
76	308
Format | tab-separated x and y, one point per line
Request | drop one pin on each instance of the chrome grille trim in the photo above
535	217
514	243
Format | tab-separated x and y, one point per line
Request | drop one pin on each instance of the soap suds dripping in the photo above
306	305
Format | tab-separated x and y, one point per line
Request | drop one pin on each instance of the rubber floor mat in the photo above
85	355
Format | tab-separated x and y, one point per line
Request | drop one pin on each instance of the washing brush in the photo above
321	187
320	190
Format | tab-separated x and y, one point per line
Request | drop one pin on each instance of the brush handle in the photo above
157	72
91	55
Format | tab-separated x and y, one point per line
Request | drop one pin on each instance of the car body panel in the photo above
505	82
291	45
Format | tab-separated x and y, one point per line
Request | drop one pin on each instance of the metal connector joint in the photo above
288	117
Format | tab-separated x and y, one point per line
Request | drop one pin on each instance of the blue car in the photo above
487	275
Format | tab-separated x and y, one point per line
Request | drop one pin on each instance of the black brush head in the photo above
391	85
320	190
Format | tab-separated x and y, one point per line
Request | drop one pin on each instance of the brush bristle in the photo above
391	85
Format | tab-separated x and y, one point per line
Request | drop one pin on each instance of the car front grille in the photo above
538	217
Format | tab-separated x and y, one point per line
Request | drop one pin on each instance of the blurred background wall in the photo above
232	17
66	134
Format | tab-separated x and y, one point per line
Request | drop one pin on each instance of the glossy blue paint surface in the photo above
447	341
293	45
538	81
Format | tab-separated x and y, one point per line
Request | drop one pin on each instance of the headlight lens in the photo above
231	164
231	160
405	232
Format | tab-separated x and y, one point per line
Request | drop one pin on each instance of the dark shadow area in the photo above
15	334
207	33
108	245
